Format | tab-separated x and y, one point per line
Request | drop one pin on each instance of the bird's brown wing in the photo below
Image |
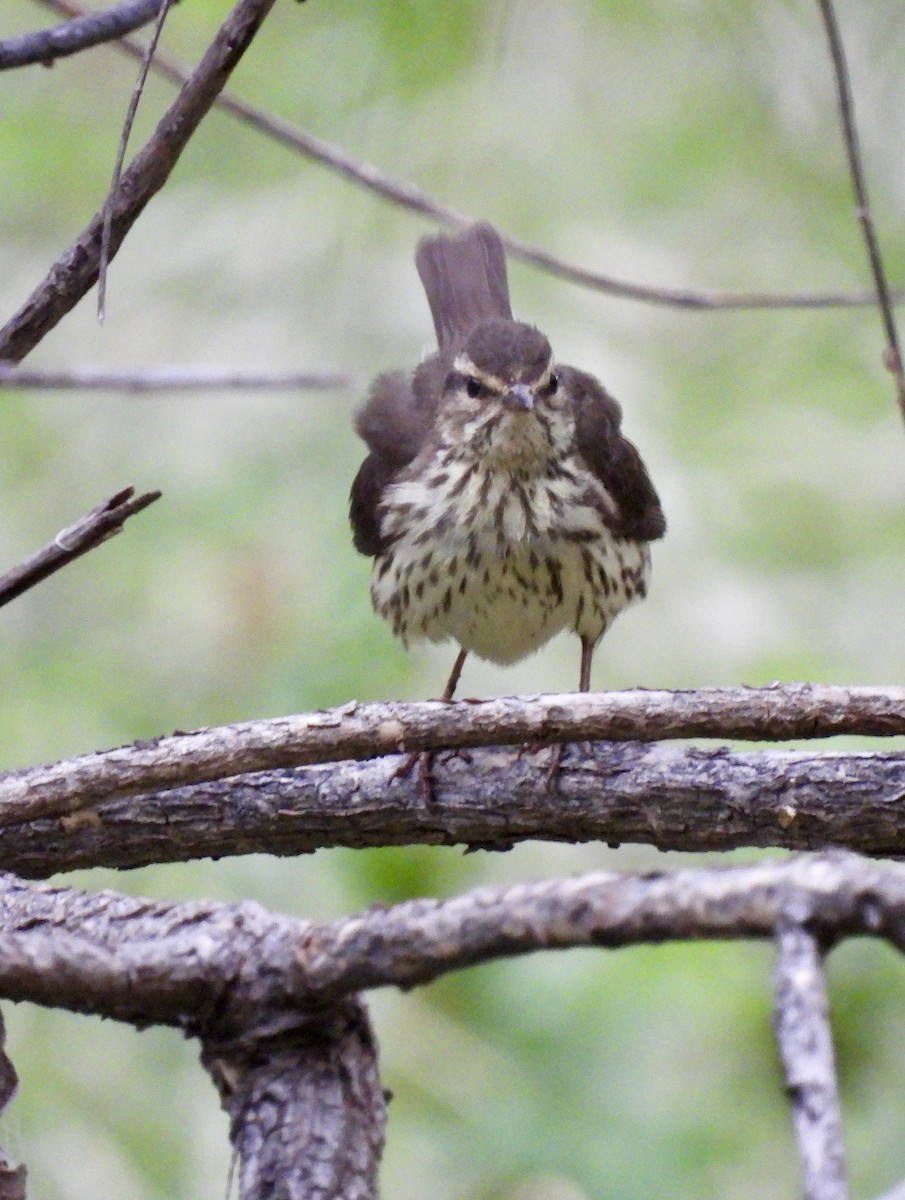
613	458
465	281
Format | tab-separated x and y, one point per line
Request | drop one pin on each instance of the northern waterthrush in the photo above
499	498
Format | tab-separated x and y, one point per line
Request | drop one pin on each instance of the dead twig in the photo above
89	531
884	298
76	271
137	91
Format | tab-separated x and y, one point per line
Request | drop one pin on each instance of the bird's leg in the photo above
584	685
587	654
424	757
453	682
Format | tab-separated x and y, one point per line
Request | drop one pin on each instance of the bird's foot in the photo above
423	759
556	754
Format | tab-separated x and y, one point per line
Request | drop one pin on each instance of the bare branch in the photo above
107	221
215	969
79	33
805	1040
893	356
307	1111
360	731
169	379
75	272
103	522
415	199
674	797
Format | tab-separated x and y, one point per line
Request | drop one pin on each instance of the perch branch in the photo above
409	196
893	357
216	969
361	731
169	379
671	796
804	1036
79	33
75	272
85	534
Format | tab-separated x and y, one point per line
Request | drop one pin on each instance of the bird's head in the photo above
502	389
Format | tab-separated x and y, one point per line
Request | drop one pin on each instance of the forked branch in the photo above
97	526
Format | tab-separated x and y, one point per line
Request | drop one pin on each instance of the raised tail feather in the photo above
465	281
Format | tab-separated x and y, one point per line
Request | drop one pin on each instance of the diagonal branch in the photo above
802	1024
103	522
859	186
362	731
73	274
407	195
79	33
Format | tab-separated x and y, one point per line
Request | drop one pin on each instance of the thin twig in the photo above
137	91
79	33
71	543
415	199
168	379
805	1039
893	356
362	731
76	270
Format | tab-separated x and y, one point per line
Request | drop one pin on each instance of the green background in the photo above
665	141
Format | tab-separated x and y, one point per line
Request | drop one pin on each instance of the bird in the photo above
499	499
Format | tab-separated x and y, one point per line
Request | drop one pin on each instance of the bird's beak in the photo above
519	398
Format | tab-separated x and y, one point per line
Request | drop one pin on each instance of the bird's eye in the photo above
553	385
473	386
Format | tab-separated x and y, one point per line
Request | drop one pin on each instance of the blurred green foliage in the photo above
667	142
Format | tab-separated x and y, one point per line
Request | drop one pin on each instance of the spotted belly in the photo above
504	603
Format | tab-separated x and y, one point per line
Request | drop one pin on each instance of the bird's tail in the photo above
465	280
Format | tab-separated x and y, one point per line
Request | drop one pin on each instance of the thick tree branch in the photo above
216	969
85	534
408	195
805	1040
307	1110
12	1176
75	272
670	796
893	357
79	33
362	731
168	379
